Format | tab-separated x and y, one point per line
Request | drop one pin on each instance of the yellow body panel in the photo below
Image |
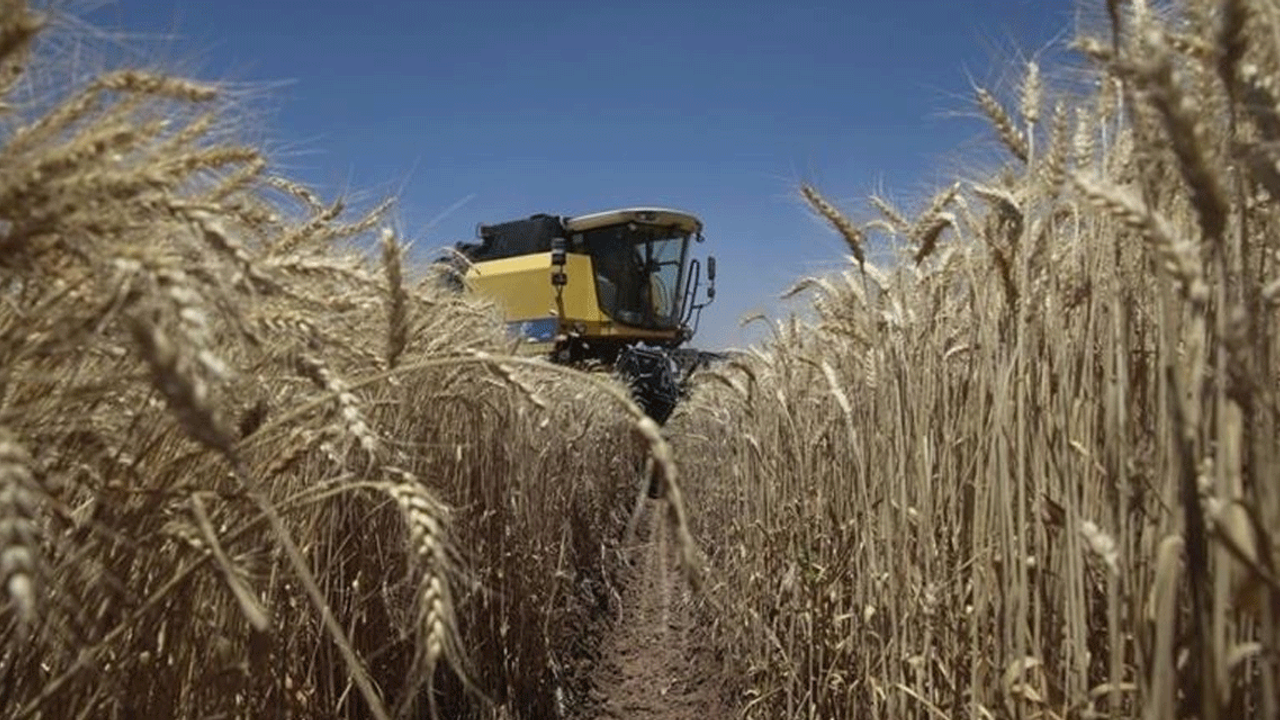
522	287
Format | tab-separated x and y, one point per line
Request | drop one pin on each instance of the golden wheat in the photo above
162	286
933	506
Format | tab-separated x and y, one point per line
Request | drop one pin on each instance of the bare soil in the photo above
652	665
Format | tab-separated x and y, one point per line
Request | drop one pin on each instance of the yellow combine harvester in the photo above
617	288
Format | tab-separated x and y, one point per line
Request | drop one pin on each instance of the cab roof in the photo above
648	215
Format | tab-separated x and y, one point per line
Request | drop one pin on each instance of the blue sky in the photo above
489	110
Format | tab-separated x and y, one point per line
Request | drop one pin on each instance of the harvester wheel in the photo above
652	377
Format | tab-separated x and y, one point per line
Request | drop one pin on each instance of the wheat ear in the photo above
353	419
18	26
1178	256
929	226
183	389
397	298
853	237
896	221
1186	136
436	626
19	534
1032	88
1012	138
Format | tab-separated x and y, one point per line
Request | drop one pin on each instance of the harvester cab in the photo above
617	288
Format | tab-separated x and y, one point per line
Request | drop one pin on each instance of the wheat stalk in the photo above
250	606
1232	40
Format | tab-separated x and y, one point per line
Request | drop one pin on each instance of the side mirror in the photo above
558	258
711	268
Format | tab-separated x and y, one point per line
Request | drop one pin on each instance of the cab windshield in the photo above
638	272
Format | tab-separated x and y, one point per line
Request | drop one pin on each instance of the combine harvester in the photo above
616	290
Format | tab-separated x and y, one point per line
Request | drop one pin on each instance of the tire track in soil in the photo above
652	668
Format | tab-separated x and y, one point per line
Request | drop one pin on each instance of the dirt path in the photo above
652	668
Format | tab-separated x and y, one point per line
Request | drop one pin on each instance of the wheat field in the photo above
254	463
249	468
1030	469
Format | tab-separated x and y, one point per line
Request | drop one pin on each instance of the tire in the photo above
652	378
